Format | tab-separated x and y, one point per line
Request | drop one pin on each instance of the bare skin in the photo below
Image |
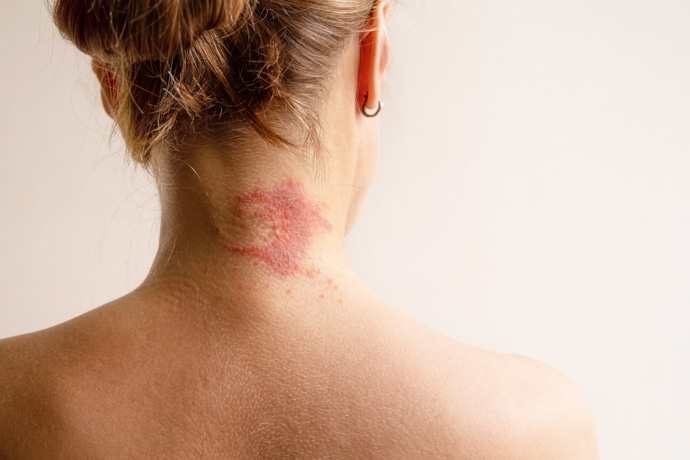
150	376
253	337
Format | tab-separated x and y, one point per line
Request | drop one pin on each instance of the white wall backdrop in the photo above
532	196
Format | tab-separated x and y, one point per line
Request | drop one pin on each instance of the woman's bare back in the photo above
136	381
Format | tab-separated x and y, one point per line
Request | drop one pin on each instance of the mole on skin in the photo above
291	220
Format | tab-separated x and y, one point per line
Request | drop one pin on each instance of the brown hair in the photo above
190	67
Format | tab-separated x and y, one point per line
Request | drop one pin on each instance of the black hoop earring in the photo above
364	107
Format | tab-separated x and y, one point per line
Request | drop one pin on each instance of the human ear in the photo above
108	86
374	52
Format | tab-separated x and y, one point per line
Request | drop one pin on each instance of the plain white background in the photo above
532	194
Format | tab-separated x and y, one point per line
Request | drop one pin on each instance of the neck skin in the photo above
259	225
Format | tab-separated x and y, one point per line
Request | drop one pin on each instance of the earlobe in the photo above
108	86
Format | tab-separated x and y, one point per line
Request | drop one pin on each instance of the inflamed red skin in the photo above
290	219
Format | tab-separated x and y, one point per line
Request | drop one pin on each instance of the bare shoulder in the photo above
528	409
25	406
31	370
498	406
562	426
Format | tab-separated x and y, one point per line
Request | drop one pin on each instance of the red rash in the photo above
291	220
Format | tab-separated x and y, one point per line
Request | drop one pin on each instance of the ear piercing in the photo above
364	107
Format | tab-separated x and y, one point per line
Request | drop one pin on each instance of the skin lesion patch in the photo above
288	220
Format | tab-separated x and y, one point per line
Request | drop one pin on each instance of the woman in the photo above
252	336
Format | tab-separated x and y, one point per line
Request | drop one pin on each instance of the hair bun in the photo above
141	29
